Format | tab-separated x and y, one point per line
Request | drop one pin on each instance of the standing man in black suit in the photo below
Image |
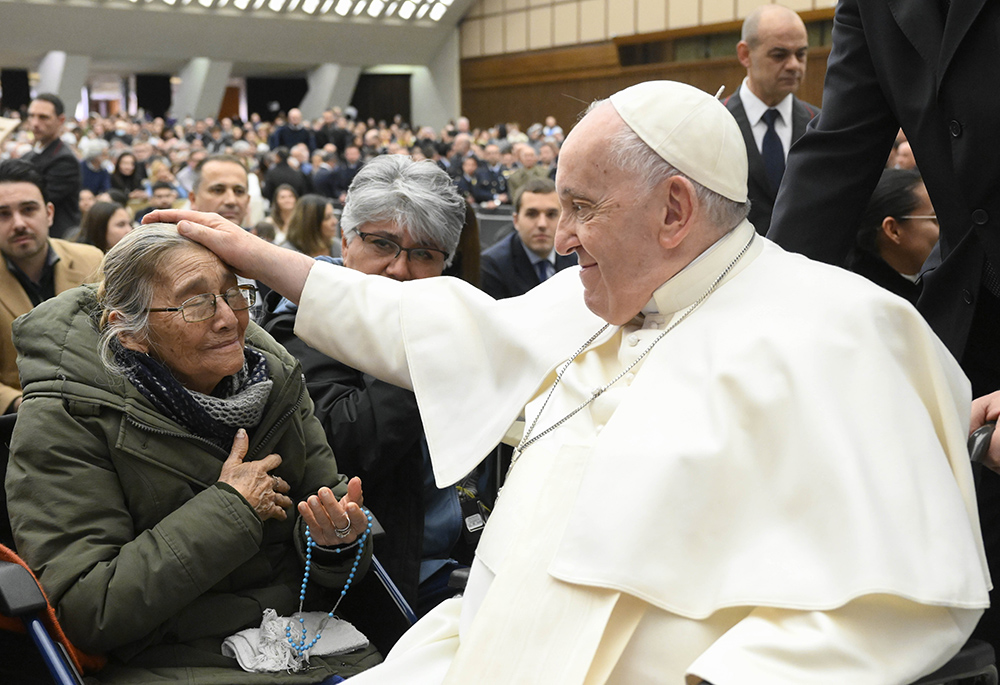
920	65
772	47
55	161
527	256
344	176
282	173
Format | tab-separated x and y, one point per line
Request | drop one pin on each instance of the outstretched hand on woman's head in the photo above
248	255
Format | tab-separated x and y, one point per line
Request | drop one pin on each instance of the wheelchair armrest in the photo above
19	593
975	659
459	578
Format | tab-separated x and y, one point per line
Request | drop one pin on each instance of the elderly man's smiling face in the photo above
609	220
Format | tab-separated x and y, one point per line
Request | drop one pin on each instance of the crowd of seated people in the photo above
130	153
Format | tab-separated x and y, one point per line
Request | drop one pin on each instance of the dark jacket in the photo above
375	427
61	170
118	510
900	64
876	270
508	272
96	182
477	187
919	65
283	174
289	137
343	177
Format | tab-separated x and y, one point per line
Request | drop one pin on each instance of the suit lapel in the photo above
961	14
525	272
67	272
921	27
12	295
800	119
756	162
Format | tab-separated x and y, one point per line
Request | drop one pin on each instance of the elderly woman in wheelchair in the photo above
169	484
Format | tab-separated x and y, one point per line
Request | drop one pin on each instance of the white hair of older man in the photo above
93	147
630	153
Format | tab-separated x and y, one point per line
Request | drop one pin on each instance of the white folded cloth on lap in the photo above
267	650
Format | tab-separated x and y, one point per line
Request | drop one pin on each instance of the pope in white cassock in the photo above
736	465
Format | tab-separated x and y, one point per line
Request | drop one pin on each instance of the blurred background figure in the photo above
163	195
129	178
104	225
282	206
904	156
312	227
87	200
898	231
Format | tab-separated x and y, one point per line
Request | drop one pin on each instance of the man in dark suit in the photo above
922	66
496	173
474	185
55	161
345	173
517	263
773	48
292	133
282	173
324	180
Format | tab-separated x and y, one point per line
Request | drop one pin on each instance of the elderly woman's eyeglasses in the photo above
389	249
202	307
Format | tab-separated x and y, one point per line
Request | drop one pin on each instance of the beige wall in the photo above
498	27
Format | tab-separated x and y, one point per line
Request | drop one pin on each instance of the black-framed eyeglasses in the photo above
931	217
387	248
202	307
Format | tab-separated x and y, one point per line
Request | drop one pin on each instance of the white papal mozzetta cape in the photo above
778	493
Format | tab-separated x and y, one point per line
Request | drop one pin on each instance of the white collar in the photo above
755	107
693	280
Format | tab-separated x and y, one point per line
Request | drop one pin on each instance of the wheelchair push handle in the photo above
979	441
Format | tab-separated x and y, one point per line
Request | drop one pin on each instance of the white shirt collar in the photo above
755	107
551	258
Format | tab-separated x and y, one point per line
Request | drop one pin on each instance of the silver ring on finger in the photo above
345	531
277	482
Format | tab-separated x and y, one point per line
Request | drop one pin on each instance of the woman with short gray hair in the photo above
418	196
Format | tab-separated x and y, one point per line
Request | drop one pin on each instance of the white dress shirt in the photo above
755	108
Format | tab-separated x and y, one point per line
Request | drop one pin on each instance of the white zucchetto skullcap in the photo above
691	130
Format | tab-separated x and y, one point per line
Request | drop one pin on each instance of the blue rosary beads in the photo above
300	646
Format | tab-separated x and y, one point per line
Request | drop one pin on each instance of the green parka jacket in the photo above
117	509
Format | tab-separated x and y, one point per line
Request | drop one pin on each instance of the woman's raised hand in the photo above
332	522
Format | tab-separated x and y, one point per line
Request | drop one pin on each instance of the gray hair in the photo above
92	147
242	147
418	196
128	277
631	154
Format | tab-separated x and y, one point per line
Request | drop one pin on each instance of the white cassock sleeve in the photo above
336	314
472	361
876	639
